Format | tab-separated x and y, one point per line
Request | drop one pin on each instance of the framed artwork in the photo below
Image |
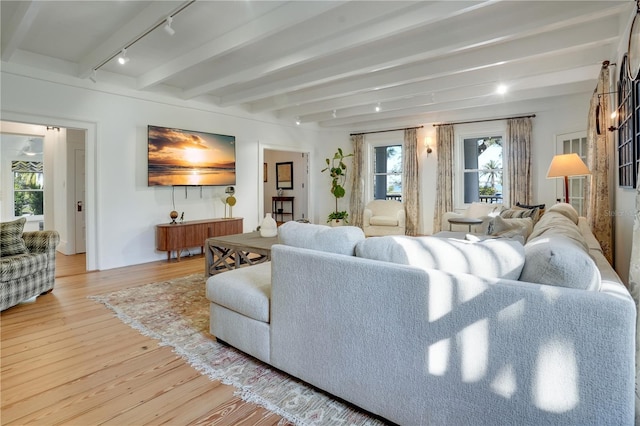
264	172
284	175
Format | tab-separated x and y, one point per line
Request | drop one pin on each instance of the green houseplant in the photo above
338	171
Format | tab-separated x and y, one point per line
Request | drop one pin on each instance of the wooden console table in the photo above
179	236
281	210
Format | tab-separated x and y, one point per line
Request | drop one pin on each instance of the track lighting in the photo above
167	26
378	107
334	114
297	121
501	89
93	77
123	59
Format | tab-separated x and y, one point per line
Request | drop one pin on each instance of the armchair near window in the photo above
383	217
476	210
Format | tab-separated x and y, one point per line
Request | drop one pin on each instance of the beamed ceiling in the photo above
328	63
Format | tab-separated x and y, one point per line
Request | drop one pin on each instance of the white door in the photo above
80	225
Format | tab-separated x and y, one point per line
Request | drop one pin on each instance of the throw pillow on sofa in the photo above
508	228
11	242
519	212
559	261
556	223
339	239
492	258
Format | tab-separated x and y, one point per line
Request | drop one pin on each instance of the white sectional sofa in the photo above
442	331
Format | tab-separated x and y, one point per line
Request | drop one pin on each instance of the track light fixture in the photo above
167	26
378	107
298	121
94	76
123	59
334	114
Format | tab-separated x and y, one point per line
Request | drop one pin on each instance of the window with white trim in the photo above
387	172
28	188
482	169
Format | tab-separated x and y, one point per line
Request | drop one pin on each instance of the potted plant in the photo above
338	171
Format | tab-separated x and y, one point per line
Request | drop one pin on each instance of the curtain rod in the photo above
482	121
384	131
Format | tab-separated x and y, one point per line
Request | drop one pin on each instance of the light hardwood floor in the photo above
67	360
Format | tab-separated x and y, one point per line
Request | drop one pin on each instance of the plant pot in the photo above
337	222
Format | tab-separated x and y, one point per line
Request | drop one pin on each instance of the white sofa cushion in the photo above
556	223
494	258
560	261
339	239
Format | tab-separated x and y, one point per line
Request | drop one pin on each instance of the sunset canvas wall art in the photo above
183	158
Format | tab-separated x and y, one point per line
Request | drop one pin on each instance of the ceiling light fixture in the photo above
123	59
378	107
501	89
167	26
334	114
94	76
298	121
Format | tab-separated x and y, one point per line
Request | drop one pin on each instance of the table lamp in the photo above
565	165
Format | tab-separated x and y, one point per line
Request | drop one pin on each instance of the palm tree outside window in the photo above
483	169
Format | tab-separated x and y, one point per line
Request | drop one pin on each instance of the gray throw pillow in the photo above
559	261
11	242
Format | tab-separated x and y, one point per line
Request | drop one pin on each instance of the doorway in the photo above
291	201
64	161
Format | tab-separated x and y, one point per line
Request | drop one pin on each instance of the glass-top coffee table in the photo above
232	251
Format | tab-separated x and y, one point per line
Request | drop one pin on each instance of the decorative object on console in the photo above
268	227
230	200
565	165
338	172
173	215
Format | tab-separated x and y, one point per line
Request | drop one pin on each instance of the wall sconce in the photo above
427	145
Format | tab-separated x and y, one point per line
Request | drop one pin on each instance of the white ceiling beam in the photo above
567	39
464	94
272	22
19	25
491	29
410	17
485	103
498	73
155	12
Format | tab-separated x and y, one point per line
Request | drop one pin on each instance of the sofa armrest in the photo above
366	217
41	241
402	218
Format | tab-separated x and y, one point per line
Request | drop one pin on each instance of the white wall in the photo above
126	210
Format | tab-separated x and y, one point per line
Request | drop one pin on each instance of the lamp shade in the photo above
567	165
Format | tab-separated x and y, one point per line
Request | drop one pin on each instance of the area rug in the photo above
176	312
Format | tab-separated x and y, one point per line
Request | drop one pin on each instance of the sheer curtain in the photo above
356	202
518	149
410	181
597	197
444	180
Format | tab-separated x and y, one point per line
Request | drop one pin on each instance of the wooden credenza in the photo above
184	235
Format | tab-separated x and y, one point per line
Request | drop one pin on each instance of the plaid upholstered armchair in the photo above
26	269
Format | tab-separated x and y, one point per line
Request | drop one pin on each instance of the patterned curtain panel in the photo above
410	181
444	180
518	155
356	202
597	199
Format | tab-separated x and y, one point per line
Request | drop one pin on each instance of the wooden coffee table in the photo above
232	251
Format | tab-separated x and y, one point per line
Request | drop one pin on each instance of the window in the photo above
628	128
28	188
387	176
567	144
482	169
